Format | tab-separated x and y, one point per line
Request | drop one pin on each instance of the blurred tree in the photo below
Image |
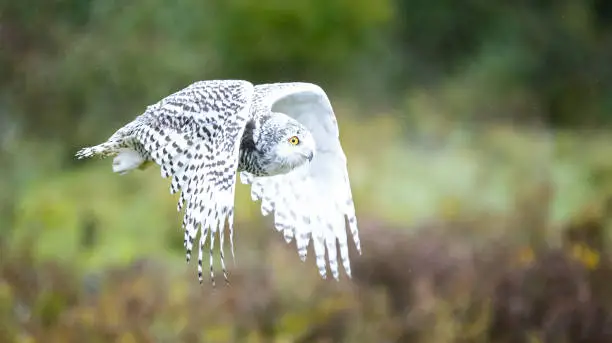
272	40
97	62
74	69
561	51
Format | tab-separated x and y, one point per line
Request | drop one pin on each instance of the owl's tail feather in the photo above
103	150
126	159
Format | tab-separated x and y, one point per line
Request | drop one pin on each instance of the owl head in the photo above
284	143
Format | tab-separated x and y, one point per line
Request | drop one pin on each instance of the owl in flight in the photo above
283	140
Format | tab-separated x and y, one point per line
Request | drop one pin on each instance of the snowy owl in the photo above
283	140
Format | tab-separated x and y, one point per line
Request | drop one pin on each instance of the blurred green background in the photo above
479	150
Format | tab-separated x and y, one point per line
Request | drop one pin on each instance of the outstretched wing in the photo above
314	200
194	135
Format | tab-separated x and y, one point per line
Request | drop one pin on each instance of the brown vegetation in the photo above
430	286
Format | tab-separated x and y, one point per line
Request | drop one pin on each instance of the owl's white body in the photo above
283	140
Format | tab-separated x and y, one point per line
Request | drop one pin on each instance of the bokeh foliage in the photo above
96	62
478	143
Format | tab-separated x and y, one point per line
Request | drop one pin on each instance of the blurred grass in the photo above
97	254
393	181
444	171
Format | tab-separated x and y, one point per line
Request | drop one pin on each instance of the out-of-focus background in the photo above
479	150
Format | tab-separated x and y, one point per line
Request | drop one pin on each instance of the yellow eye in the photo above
294	140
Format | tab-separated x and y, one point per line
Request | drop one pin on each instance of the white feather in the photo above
314	200
127	159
